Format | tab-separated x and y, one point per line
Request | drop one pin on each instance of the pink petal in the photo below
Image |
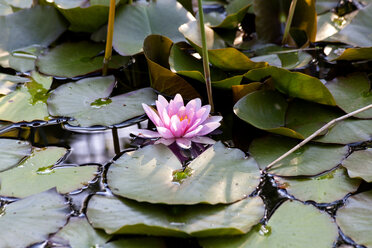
176	126
152	115
165	118
184	143
203	112
146	133
196	123
193	132
194	104
212	119
209	127
165	133
175	105
166	142
203	140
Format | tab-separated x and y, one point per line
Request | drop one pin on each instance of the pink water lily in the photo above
176	122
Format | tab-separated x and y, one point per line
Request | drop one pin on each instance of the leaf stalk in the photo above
110	34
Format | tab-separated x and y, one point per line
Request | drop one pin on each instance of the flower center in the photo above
184	118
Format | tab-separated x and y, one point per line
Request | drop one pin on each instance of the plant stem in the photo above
316	133
110	34
289	21
115	138
207	73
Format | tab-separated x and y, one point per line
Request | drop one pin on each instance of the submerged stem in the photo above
207	73
110	34
289	21
316	133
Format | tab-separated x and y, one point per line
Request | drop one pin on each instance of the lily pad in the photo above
294	84
359	31
39	172
265	110
18	33
308	160
218	175
232	20
12	152
84	17
355	218
28	102
357	53
79	233
134	22
22	4
8	83
23	59
293	223
122	216
359	164
76	59
162	78
88	102
306	118
32	219
326	188
352	92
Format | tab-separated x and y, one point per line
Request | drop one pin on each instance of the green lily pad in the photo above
24	59
293	223
265	110
8	83
39	172
78	233
359	31
137	242
306	118
162	78
88	102
18	33
330	24
325	5
361	53
5	8
326	188
84	17
31	220
28	102
355	218
232	20
12	152
122	216
134	22
352	92
76	59
308	160
294	84
359	164
213	174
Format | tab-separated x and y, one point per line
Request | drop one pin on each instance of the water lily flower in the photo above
178	123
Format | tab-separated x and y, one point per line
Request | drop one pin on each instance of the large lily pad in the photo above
88	102
39	172
79	233
265	110
294	84
306	118
18	33
352	92
134	22
355	218
359	164
218	175
32	219
307	161
76	59
121	216
326	188
293	223
12	151
28	102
